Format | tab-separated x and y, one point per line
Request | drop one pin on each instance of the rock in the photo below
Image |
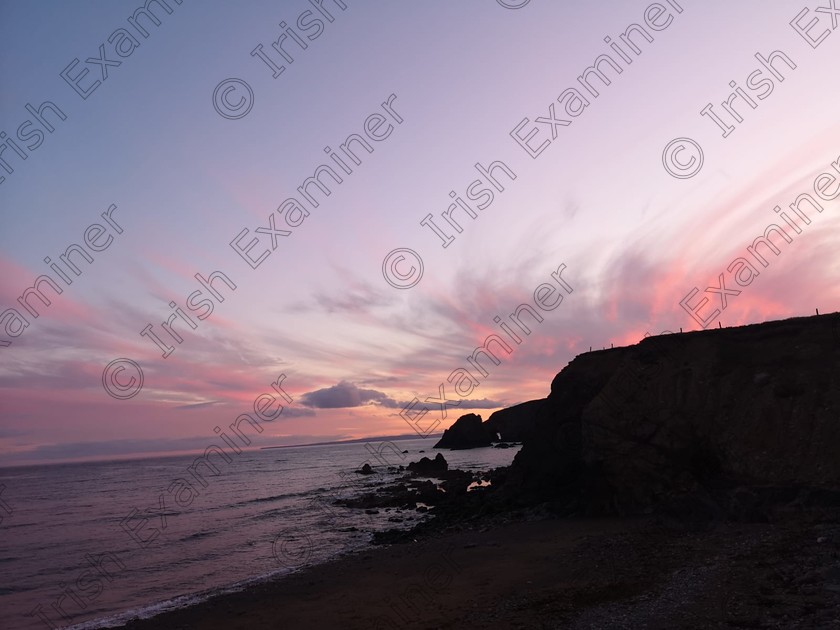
429	467
684	418
467	432
371	511
366	470
513	424
426	492
516	423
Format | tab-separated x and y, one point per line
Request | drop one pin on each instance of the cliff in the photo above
695	415
513	424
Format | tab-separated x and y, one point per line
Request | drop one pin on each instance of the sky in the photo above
597	211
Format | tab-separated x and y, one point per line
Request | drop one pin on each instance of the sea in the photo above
95	544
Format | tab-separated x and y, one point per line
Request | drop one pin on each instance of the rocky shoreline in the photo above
690	481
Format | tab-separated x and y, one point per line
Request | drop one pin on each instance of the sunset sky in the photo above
459	77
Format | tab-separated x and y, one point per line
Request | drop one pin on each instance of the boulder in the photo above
429	467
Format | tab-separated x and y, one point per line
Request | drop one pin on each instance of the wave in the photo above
288	495
185	601
198	535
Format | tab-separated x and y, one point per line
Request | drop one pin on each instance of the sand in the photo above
571	573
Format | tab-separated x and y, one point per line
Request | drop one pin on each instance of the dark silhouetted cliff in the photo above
690	417
513	424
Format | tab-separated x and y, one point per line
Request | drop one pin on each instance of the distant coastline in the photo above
376	438
141	455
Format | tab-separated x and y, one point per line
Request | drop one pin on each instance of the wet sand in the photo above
570	573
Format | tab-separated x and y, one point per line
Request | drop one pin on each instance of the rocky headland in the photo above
689	481
720	423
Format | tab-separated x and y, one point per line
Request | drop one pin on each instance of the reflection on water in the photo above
93	540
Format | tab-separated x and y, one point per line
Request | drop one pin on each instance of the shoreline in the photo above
401	579
570	572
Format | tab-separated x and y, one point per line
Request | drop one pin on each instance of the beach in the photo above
556	573
381	322
135	551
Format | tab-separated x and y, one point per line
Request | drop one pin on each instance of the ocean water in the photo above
91	545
